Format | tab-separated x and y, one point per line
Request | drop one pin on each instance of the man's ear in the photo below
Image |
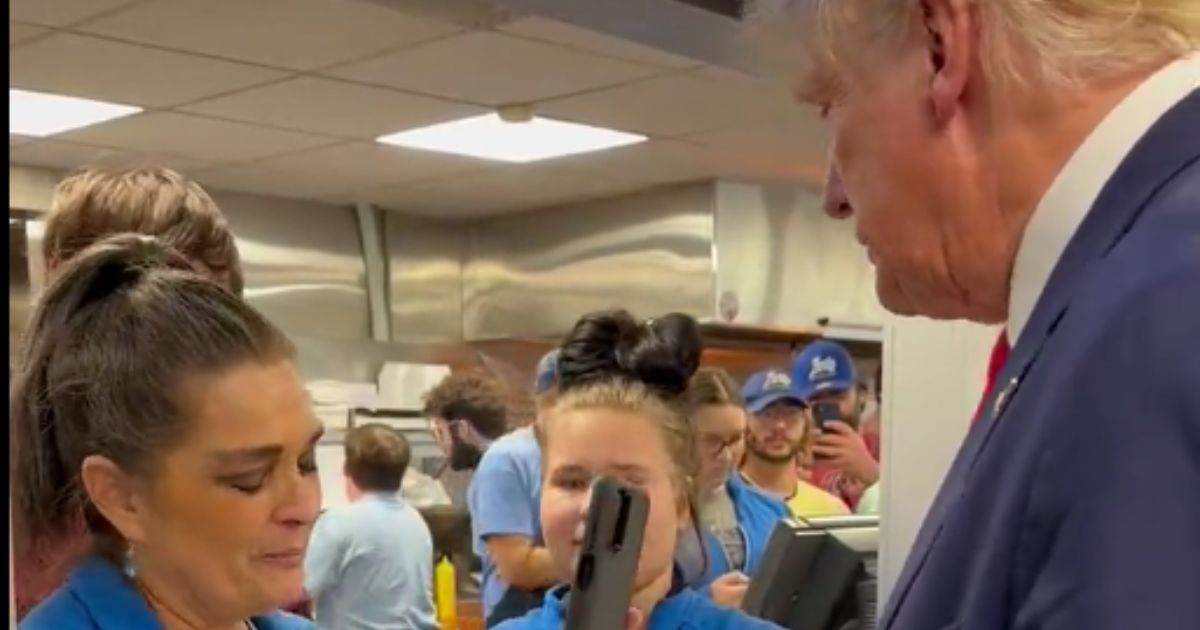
951	41
116	495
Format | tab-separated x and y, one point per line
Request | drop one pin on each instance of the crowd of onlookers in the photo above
761	456
164	449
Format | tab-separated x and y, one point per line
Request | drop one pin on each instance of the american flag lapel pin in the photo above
1005	395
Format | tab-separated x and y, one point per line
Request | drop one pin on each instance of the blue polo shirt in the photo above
684	610
757	514
504	499
99	596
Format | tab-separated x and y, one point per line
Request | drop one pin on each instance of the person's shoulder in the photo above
812	500
514	451
704	614
532	620
520	442
759	497
60	610
283	621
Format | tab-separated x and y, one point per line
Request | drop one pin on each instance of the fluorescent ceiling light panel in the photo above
39	114
491	138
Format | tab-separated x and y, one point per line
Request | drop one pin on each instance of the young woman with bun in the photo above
161	411
620	412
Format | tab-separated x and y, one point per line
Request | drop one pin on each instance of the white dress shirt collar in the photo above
1075	189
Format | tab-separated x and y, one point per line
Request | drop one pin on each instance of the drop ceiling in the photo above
285	97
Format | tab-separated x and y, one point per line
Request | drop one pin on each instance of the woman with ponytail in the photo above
619	411
157	408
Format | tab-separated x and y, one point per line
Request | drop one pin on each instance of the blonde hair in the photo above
93	204
634	397
1057	42
713	386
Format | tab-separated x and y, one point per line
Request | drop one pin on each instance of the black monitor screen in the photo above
818	575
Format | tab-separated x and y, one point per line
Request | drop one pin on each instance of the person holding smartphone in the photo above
620	412
827	381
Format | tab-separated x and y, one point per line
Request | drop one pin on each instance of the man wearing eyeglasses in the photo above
778	431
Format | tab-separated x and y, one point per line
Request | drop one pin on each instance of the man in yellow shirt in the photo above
777	432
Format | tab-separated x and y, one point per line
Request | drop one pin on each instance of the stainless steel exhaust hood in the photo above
753	262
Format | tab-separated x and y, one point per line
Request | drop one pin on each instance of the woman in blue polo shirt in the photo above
738	518
167	416
620	412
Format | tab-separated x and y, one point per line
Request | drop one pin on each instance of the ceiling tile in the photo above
194	137
671	105
653	162
572	36
265	181
493	69
60	12
78	65
295	34
802	135
358	166
504	188
19	33
333	107
66	155
15	139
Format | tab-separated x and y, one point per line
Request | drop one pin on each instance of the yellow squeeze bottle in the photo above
444	587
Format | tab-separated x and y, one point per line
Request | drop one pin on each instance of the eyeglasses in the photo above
714	445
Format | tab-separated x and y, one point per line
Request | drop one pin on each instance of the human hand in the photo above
635	619
730	589
841	447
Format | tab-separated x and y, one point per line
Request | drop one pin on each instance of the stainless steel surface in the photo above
534	274
860	533
668	25
786	264
303	264
424	278
29	188
371	237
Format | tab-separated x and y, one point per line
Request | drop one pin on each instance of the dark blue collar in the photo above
668	613
113	602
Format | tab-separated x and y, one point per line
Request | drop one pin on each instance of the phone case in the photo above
603	585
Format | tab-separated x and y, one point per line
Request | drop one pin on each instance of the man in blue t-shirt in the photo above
504	499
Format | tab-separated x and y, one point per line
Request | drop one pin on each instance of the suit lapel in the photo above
1167	148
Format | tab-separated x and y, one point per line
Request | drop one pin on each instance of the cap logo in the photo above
822	367
777	381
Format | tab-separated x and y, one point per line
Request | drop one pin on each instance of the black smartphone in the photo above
826	412
603	585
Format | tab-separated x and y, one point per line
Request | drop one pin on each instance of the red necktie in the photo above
995	364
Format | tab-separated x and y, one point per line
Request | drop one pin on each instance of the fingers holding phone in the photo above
840	446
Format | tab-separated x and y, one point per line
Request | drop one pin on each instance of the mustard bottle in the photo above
444	587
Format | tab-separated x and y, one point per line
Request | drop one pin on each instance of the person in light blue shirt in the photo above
619	412
504	499
370	563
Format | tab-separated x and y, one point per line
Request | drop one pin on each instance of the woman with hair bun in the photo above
620	412
160	410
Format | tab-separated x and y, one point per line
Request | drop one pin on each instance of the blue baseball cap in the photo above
821	366
765	388
547	373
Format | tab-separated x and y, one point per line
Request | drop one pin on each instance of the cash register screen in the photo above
818	574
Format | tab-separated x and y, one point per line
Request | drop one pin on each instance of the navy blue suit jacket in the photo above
1074	502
